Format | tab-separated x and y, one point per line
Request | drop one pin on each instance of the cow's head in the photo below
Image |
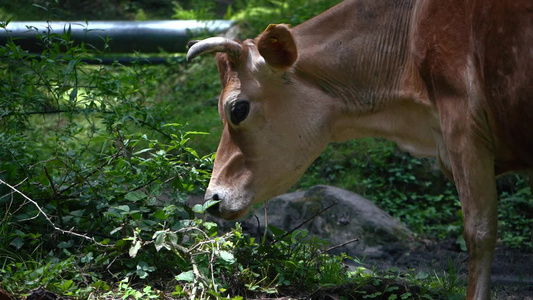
274	122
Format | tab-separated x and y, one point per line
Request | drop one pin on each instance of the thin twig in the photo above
92	172
143	123
52	185
56	195
343	244
8	206
266	223
48	219
303	223
258	225
44	112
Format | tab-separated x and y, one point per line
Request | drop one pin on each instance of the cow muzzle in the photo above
230	206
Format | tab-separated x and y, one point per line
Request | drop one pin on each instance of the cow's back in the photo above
482	50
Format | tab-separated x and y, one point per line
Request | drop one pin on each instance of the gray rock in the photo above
380	236
351	217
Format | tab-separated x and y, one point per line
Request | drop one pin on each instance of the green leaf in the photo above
198	208
134	249
210	225
226	256
65	285
421	275
461	242
186	276
17	243
143	268
135	196
41	7
124	208
192	151
172	238
73	95
63	245
121	243
276	231
143	151
115	230
160	240
210	203
78	213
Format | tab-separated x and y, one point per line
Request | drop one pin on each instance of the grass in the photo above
193	99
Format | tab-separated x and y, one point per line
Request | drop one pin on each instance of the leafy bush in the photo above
90	166
94	181
254	16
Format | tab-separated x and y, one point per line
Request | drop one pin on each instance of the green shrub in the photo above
90	167
254	16
95	179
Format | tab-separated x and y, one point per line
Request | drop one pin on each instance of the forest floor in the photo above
512	272
512	269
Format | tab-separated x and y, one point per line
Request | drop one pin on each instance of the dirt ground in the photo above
512	269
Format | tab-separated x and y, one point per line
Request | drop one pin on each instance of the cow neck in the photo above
356	51
357	55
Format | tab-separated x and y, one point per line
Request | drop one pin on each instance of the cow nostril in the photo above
215	197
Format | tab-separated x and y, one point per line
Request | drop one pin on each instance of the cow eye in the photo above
239	111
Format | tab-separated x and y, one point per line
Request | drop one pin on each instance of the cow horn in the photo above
214	44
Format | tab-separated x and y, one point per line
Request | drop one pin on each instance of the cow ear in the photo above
276	45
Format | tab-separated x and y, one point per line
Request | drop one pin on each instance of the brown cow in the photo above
444	78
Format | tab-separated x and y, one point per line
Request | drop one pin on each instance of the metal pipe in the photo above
122	60
122	36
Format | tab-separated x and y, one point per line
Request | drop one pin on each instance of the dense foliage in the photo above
98	162
90	168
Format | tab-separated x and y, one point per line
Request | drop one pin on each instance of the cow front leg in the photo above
473	172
